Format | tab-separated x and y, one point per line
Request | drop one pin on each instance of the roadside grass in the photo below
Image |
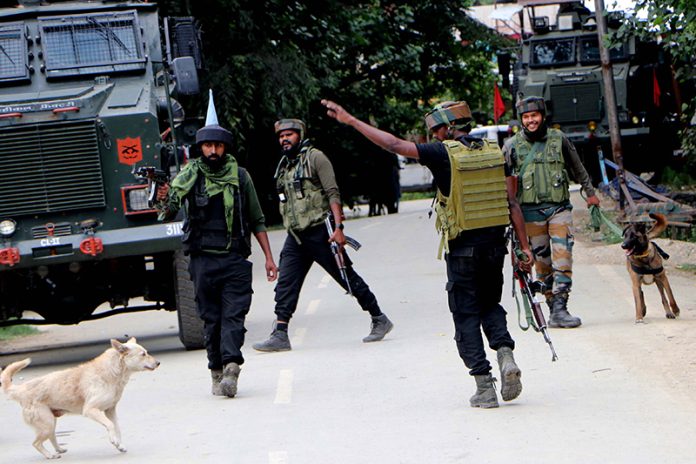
14	331
691	268
408	196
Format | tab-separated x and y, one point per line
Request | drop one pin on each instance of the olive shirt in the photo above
434	156
321	172
576	170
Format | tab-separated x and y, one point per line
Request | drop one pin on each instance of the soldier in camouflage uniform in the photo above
543	158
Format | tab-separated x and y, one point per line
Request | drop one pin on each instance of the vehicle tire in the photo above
190	325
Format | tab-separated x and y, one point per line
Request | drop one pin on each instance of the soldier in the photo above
308	193
475	243
543	158
222	210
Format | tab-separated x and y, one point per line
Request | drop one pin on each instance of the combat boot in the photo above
485	396
560	317
510	374
230	375
381	326
278	341
216	375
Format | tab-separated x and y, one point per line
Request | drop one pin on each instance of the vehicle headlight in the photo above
635	120
7	228
592	126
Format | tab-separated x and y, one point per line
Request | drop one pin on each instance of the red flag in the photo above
656	89
498	104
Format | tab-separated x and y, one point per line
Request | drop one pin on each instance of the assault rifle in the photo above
155	177
534	313
338	254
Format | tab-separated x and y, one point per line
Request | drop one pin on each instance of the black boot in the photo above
485	396
381	326
560	317
277	341
510	374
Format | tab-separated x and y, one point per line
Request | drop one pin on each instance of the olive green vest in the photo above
303	202
478	193
541	169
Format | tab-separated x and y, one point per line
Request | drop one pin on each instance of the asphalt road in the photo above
620	392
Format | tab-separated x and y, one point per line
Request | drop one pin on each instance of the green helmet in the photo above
291	124
450	113
530	104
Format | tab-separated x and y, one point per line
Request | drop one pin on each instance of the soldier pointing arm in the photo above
475	244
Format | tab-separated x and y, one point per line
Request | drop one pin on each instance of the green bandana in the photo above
225	180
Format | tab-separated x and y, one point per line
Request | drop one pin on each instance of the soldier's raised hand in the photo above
336	111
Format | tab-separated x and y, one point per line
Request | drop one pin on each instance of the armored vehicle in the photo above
86	100
560	61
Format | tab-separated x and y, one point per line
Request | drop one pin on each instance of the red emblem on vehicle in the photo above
130	150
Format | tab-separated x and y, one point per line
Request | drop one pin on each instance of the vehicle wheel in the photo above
190	325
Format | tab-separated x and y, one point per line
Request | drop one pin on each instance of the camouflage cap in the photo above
447	113
291	124
530	104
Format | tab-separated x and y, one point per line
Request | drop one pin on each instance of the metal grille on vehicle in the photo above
49	168
51	230
573	103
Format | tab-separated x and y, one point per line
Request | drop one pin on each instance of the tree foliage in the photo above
673	23
386	61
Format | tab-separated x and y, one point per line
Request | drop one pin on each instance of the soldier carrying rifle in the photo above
476	200
307	191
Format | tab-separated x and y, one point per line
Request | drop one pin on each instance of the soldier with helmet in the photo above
475	203
308	192
221	212
544	160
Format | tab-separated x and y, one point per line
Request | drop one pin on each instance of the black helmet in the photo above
530	104
214	133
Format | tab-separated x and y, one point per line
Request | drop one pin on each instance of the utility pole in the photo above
610	104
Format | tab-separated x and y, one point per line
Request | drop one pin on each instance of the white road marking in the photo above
284	389
278	457
298	336
312	307
324	281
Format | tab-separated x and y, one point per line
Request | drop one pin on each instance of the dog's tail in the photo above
659	227
10	371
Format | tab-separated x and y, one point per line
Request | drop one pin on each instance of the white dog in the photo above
92	389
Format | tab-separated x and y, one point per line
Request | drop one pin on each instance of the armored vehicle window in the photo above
589	51
548	53
13	53
92	44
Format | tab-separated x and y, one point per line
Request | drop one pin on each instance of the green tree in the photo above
388	61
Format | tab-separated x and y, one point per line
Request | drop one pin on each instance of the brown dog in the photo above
92	389
644	264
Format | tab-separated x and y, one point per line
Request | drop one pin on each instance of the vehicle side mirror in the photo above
185	75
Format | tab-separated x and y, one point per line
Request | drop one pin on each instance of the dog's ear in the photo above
132	340
118	346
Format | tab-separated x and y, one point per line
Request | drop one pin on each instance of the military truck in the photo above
560	61
87	97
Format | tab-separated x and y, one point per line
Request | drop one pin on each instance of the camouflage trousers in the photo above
551	241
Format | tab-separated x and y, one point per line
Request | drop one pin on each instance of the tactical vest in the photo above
303	203
478	192
205	227
541	169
